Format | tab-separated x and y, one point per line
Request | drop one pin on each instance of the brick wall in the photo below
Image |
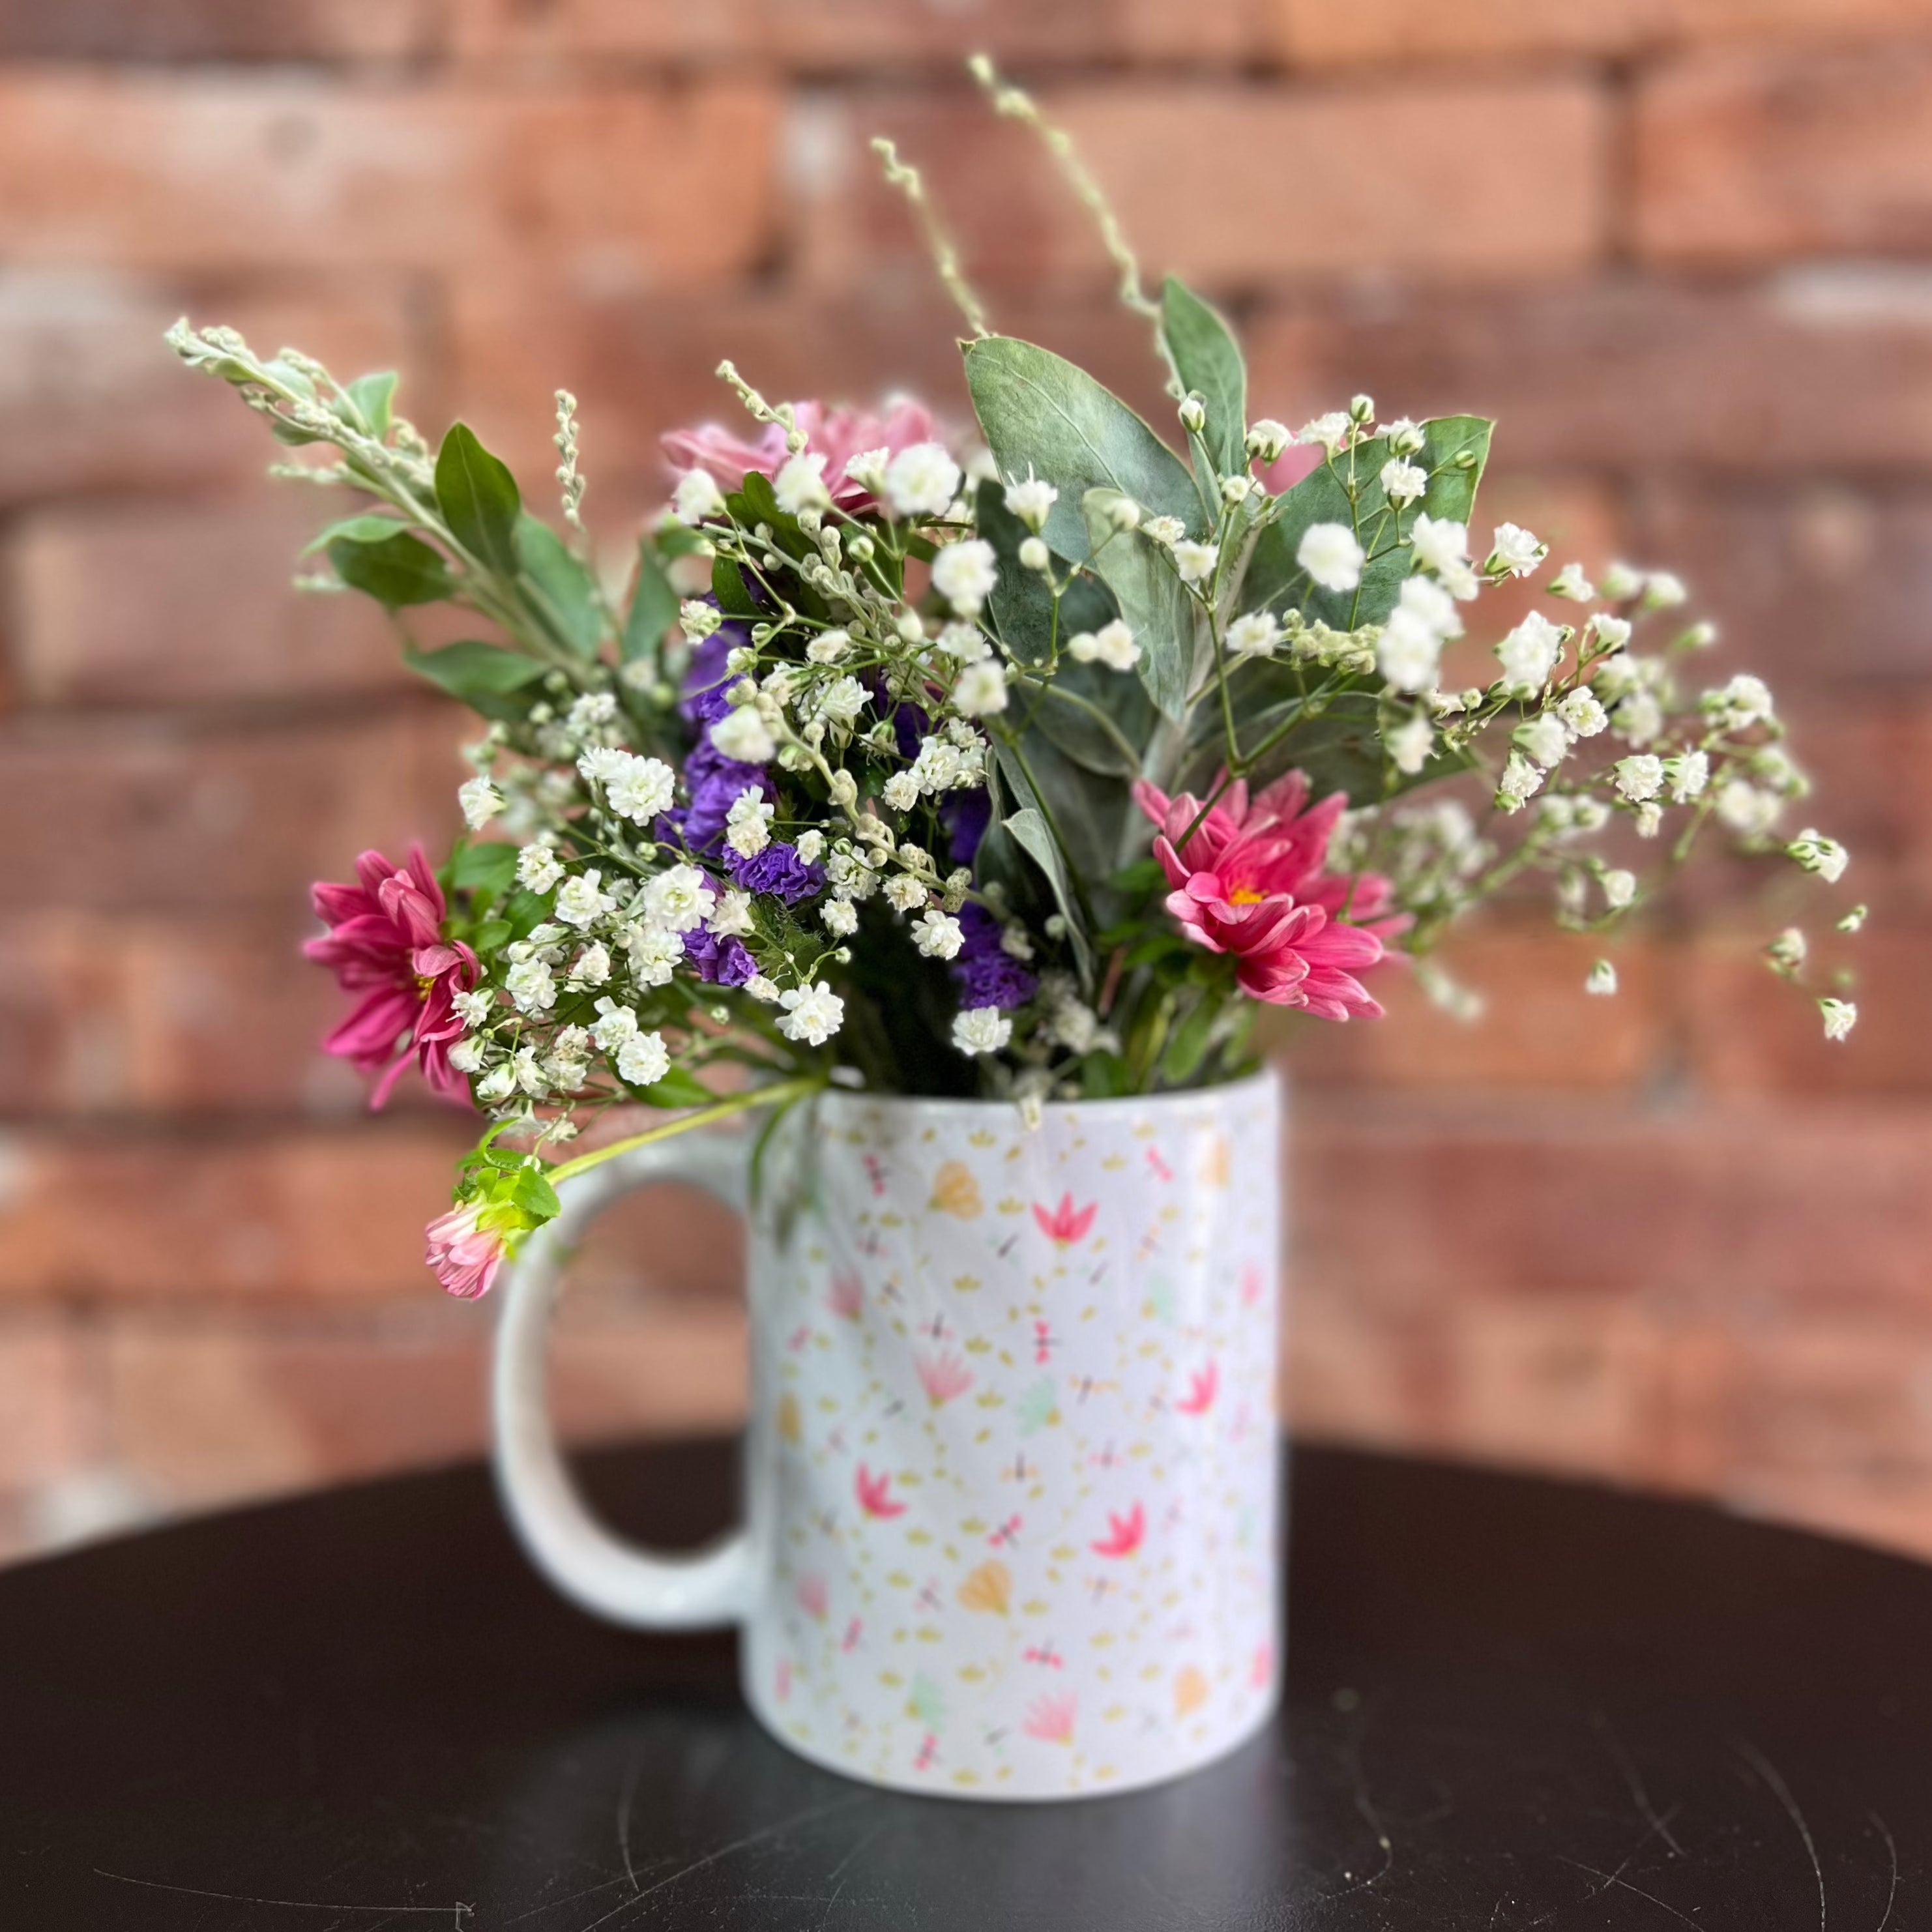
1683	248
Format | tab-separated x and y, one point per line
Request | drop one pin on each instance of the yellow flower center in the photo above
1246	896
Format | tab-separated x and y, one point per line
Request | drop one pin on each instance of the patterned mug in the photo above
1012	1513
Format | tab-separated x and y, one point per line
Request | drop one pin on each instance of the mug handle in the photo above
597	1570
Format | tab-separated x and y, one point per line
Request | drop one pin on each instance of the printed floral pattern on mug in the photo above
1024	1443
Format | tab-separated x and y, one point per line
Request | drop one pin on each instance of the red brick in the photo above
1631	376
844	34
219	174
1744	1206
112	30
1756	156
1538	1028
91	399
1315	33
1456	180
1871	765
141	602
640	365
1822	583
282	1216
204	1413
1739	1034
45	1412
167	812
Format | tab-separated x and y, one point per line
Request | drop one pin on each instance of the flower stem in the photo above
778	1093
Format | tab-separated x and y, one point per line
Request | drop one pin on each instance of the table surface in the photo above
1510	1703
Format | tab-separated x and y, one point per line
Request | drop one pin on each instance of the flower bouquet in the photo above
1032	763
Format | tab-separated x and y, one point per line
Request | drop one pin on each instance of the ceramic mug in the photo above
1012	1512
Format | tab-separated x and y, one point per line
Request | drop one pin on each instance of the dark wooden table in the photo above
1511	1704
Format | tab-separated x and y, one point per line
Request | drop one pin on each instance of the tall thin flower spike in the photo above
760	410
902	175
1015	103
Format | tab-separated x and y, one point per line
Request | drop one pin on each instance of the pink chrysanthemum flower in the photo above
385	945
837	435
463	1255
1249	879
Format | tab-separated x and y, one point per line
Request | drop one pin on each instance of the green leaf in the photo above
479	499
532	1191
1206	359
569	593
1103	1076
675	539
654	605
679	1087
1187	1046
472	670
1153	600
1454	449
728	586
399	570
374	397
1037	408
483	868
368	528
1030	829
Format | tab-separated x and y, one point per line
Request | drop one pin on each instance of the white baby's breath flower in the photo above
1514	551
1409	651
1519	783
1194	563
1031	499
654	953
1639	778
922	481
901	791
1546	738
841	917
1529	653
641	789
981	689
828	647
1839	1017
643	1060
473	1007
1639	719
1571	582
1410	744
903	893
1112	645
1854	920
1424	599
1252	635
677	899
1330	431
697	497
1688	775
591	966
698	620
1621	582
937	935
1439	544
1745	700
1266	438
799	484
538	868
1580	711
582	901
1164	530
1814	853
1403	482
466	1055
965	574
748	824
731	917
1602	979
981	1029
744	736
966	643
841	700
813	1014
531	985
480	802
1405	435
1034	555
1661	589
1619	888
1331	556
1787	951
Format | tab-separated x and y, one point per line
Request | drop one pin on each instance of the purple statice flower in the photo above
909	724
724	962
987	974
705	679
966	815
714	782
778	870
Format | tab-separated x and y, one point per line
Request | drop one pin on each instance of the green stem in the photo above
778	1093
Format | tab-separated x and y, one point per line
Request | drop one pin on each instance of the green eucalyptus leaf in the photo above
728	586
1454	449
654	605
478	496
367	528
1152	599
1037	409
473	669
1207	360
1029	830
569	593
399	570
374	398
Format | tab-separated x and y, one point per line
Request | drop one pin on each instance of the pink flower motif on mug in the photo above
942	1376
1125	1533
1065	1225
1052	1719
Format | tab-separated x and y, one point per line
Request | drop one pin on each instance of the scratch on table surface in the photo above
1370	1816
837	1874
1891	1896
1632	1776
625	1798
711	1858
457	1914
1766	1770
1617	1878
